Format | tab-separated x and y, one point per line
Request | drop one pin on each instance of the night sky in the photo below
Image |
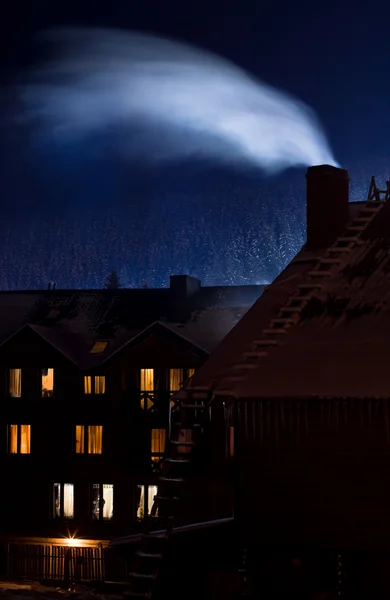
71	212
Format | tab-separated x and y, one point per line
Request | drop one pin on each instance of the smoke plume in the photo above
167	101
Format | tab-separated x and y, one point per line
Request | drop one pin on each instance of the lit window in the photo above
175	379
95	439
63	501
147	388
47	382
87	384
100	384
99	347
147	380
79	439
94	385
145	500
19	439
190	372
102	501
15	383
158	438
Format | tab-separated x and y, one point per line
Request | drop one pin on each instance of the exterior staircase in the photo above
187	436
334	259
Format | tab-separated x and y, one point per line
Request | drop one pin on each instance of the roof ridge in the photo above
290	313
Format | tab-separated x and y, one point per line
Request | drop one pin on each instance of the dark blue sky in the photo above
72	213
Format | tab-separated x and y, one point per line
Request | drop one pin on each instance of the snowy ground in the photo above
29	590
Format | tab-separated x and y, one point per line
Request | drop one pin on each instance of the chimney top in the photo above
327	197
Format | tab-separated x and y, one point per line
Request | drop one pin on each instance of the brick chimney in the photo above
327	195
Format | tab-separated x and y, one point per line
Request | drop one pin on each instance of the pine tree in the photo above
112	281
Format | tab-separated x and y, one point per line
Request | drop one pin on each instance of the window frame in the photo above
93	377
61	516
18	439
85	439
50	395
9	382
101	500
145	508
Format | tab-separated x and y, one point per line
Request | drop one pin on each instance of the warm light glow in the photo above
79	439
176	377
68	500
190	372
95	439
146	493
147	385
13	439
147	380
47	382
15	383
100	384
87	384
158	439
25	439
99	347
74	542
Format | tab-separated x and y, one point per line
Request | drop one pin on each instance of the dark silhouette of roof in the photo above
73	320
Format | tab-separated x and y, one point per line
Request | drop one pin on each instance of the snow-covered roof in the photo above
341	345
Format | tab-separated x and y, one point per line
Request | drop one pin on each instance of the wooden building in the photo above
88	379
304	382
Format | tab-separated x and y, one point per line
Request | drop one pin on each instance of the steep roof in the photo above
340	347
73	320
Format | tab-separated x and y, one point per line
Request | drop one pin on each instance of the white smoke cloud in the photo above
170	101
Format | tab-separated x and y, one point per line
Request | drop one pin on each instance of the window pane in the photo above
95	501
158	443
25	439
190	372
152	492
147	380
95	439
56	500
108	501
140	501
15	383
69	500
87	384
79	439
47	382
100	384
175	379
13	439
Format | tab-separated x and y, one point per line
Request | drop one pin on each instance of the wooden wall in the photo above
313	472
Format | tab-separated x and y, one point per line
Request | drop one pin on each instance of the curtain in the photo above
158	439
15	383
47	382
147	380
95	439
152	492
69	500
79	439
95	500
141	501
13	439
190	372
25	439
108	500
87	384
56	500
100	384
176	377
